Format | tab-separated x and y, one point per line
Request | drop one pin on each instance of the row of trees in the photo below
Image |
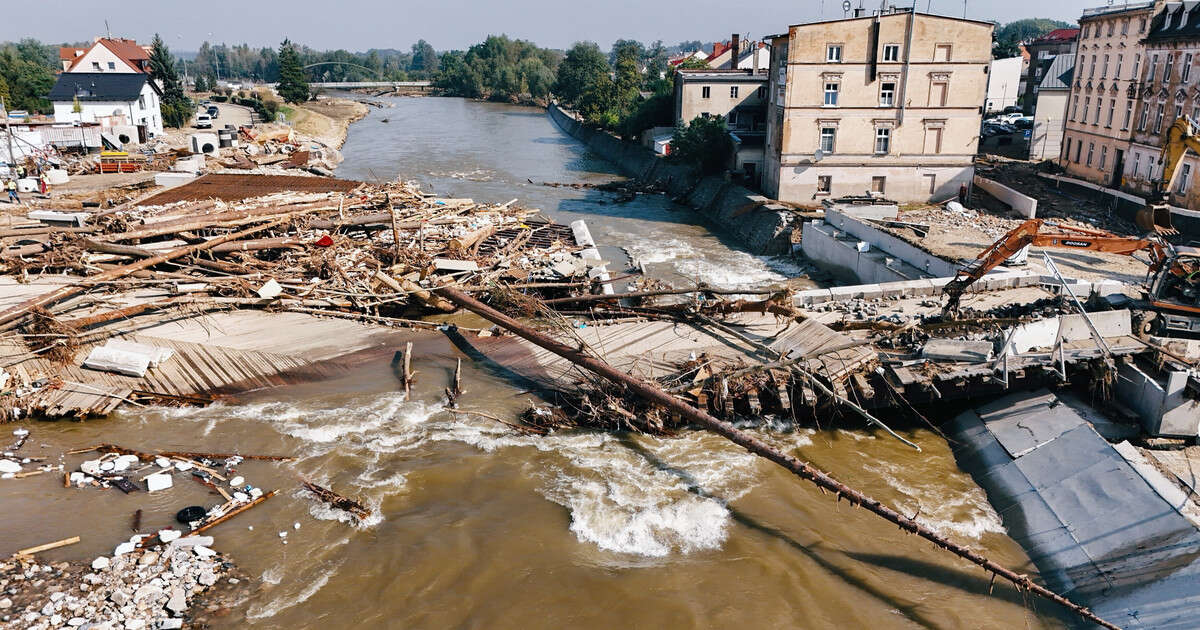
27	74
264	64
499	68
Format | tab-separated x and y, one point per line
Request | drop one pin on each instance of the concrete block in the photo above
870	291
171	180
810	297
843	293
955	350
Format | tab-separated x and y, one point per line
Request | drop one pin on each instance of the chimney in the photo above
716	47
735	48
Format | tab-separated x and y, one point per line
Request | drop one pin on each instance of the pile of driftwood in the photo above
373	253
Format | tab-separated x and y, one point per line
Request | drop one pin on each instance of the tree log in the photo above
800	468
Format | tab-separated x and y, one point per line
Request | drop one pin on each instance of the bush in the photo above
219	98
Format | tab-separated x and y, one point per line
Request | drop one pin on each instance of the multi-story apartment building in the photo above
888	103
1042	52
1169	87
736	95
1100	114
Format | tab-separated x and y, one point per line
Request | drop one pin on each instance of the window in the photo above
933	139
941	52
1075	108
1087	104
705	91
833	53
883	139
1128	115
932	178
1087	29
878	184
1091	150
1137	61
1153	68
824	183
762	93
112	65
1117	74
1099	106
1142	25
142	101
891	52
1092	71
732	119
1112	107
831	94
1125	26
1167	67
1137	159
1178	112
1185	175
1067	150
1142	118
937	93
1078	148
1187	68
1111	27
1104	69
96	66
887	94
1196	113
1158	119
828	136
733	91
1103	156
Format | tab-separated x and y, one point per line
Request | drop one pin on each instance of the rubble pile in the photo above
146	589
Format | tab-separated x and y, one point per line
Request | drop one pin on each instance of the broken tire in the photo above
190	513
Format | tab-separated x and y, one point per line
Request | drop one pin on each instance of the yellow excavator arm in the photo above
1179	138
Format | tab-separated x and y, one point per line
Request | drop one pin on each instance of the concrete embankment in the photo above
761	226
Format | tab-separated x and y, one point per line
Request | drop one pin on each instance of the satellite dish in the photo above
820	155
846	6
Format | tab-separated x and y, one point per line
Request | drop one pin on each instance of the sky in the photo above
358	25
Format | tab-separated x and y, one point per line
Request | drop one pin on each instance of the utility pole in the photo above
12	158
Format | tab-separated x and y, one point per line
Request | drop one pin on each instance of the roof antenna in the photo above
107	29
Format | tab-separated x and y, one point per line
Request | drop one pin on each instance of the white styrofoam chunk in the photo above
157	355
158	481
270	290
110	360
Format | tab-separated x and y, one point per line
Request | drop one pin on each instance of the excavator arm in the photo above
1177	140
1029	233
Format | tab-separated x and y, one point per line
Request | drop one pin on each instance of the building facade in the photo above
887	103
106	54
1100	118
113	100
1041	52
1003	84
1169	87
739	96
1050	111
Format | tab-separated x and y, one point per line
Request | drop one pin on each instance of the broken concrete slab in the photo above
956	350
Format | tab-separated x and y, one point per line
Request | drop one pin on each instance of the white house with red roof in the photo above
106	54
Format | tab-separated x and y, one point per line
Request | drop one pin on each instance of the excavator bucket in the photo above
1156	218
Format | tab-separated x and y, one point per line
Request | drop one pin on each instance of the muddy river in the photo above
480	527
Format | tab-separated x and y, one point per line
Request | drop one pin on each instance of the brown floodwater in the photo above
476	526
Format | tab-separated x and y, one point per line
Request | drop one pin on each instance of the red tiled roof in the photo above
719	49
125	49
67	53
1059	35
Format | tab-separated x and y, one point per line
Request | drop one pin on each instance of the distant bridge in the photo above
347	85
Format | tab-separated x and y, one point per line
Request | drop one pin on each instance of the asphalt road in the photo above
236	115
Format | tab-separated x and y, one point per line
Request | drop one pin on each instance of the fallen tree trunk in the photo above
800	468
20	310
639	294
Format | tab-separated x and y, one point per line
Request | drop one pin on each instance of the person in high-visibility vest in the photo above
12	191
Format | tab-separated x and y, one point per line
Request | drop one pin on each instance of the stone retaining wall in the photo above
762	227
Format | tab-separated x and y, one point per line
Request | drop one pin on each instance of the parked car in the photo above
203	121
1012	109
1024	122
214	112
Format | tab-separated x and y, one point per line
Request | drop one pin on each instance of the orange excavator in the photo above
1172	296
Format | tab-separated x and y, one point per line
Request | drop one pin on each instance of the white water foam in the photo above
274	607
731	270
477	175
961	513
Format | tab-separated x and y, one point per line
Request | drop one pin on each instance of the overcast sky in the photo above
449	24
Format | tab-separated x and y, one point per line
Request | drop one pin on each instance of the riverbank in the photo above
327	120
762	226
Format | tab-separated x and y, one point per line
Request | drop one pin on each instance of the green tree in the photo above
579	71
626	46
176	107
293	86
598	102
628	80
28	68
656	64
424	58
693	63
1007	39
704	143
4	93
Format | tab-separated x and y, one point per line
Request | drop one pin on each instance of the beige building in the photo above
737	95
888	103
1050	109
1100	115
1169	87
